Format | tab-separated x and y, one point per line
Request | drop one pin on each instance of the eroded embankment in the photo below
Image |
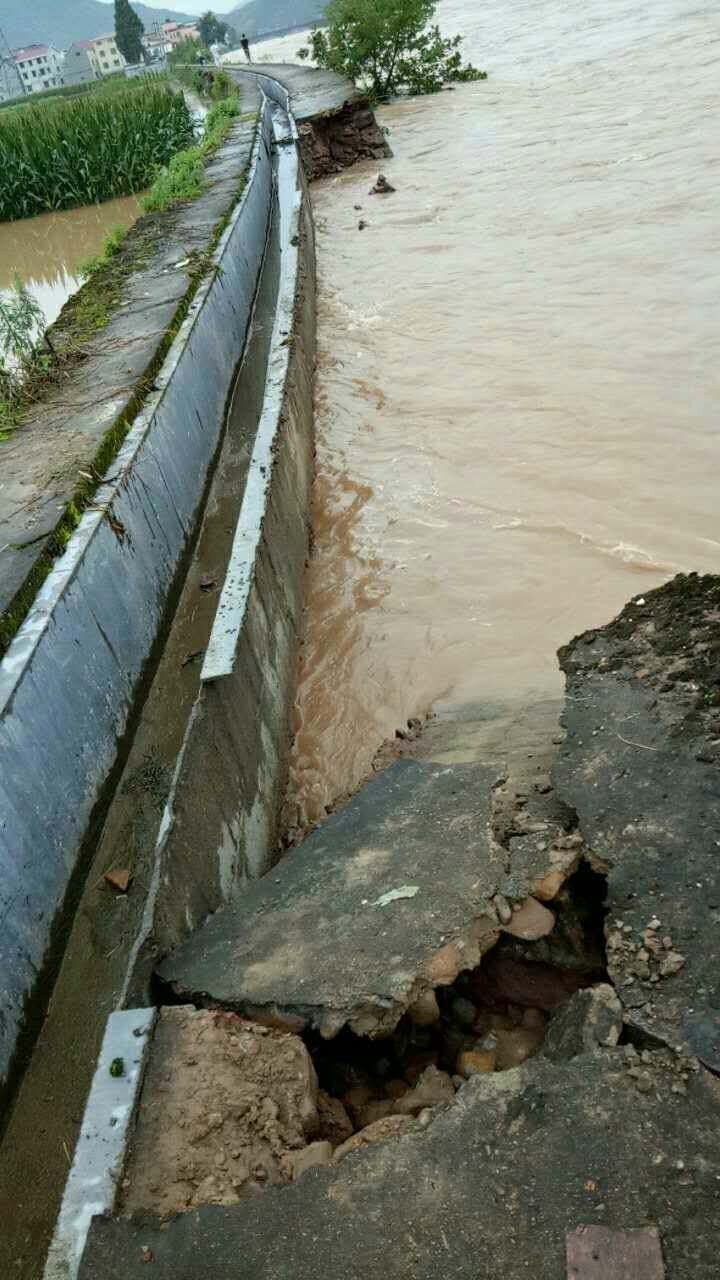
463	981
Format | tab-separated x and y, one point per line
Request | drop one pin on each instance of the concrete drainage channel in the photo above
80	659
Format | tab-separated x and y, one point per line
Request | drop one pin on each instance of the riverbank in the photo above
516	375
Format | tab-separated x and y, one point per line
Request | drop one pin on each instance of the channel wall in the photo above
219	827
219	822
69	680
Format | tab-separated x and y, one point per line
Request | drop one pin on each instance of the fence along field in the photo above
61	154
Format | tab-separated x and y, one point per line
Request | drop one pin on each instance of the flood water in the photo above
517	391
46	252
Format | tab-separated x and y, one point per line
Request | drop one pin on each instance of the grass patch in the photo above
183	177
111	247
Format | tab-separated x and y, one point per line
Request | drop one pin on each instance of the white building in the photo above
40	67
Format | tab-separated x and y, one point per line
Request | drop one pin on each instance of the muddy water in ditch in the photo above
46	252
517	422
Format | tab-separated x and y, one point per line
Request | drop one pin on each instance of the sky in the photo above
193	6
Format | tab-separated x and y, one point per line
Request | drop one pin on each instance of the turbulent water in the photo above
46	252
519	372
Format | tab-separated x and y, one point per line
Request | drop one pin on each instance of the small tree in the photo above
21	323
128	32
212	31
388	46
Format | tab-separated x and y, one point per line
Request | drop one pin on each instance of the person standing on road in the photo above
245	46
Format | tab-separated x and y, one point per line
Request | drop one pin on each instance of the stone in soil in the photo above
640	765
590	1020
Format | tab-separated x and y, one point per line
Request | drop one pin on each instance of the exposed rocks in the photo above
295	1163
498	1180
382	187
390	1127
433	1089
332	142
592	1019
530	921
471	1062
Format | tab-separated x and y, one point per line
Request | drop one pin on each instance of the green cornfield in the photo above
58	155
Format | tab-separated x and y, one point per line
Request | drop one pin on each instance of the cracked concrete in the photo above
607	1139
395	894
491	1188
639	764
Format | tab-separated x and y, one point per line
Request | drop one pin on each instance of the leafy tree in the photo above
213	31
389	46
128	31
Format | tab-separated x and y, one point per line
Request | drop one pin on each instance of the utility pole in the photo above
10	77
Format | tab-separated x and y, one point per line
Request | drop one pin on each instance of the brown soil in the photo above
223	1102
668	638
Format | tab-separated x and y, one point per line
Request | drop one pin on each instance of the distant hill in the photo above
263	17
59	22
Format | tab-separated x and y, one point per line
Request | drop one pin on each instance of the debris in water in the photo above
382	186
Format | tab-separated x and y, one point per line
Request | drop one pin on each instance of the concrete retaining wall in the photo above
69	679
219	826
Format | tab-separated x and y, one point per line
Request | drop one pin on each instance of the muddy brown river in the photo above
46	252
517	389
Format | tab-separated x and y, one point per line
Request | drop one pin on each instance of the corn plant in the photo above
61	154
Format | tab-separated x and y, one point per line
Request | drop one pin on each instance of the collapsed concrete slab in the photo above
398	893
640	766
389	897
492	1187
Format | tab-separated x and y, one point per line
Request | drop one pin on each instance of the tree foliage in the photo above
189	52
389	46
213	31
21	324
128	32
